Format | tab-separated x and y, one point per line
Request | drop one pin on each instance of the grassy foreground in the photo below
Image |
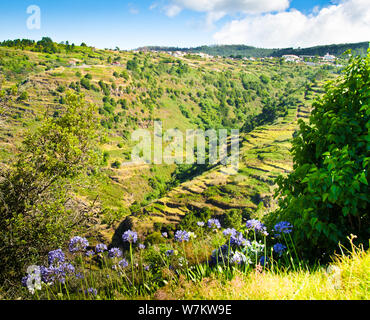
244	266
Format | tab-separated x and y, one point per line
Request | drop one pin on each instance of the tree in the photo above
326	197
36	208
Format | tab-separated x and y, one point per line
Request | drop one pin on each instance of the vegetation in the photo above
100	227
326	196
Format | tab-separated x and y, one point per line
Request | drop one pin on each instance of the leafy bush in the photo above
232	219
36	210
327	195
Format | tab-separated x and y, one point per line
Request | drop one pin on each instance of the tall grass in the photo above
201	267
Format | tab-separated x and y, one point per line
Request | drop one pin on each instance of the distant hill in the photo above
249	51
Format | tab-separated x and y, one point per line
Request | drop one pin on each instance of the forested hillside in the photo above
249	51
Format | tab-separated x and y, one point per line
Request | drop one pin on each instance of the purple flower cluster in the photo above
255	225
141	246
264	260
214	224
230	232
123	263
238	258
129	236
92	291
238	240
54	274
181	236
100	248
200	224
282	227
114	253
56	257
78	244
279	248
169	253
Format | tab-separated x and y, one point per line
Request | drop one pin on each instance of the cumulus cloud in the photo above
216	9
346	21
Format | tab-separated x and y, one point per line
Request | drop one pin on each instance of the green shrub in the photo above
326	197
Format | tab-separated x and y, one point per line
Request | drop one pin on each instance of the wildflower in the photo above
147	268
255	225
169	253
78	244
33	279
181	236
221	254
101	247
264	260
238	239
114	253
79	275
283	227
229	232
192	235
238	258
92	291
200	224
164	235
214	224
141	246
89	253
55	274
279	248
129	236
123	263
56	256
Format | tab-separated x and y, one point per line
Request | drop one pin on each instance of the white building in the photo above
329	58
291	58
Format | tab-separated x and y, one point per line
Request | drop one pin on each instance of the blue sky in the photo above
188	23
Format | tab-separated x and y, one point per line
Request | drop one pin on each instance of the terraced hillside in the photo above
131	91
264	155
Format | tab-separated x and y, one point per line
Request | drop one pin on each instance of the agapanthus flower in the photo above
56	256
181	236
169	253
114	253
279	248
192	235
57	274
214	224
255	225
33	279
238	258
238	239
80	275
283	227
164	234
229	232
123	263
78	244
92	291
129	236
264	260
89	253
221	254
147	268
200	224
101	247
141	246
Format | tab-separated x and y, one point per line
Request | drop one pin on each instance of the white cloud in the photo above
216	9
172	10
347	21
